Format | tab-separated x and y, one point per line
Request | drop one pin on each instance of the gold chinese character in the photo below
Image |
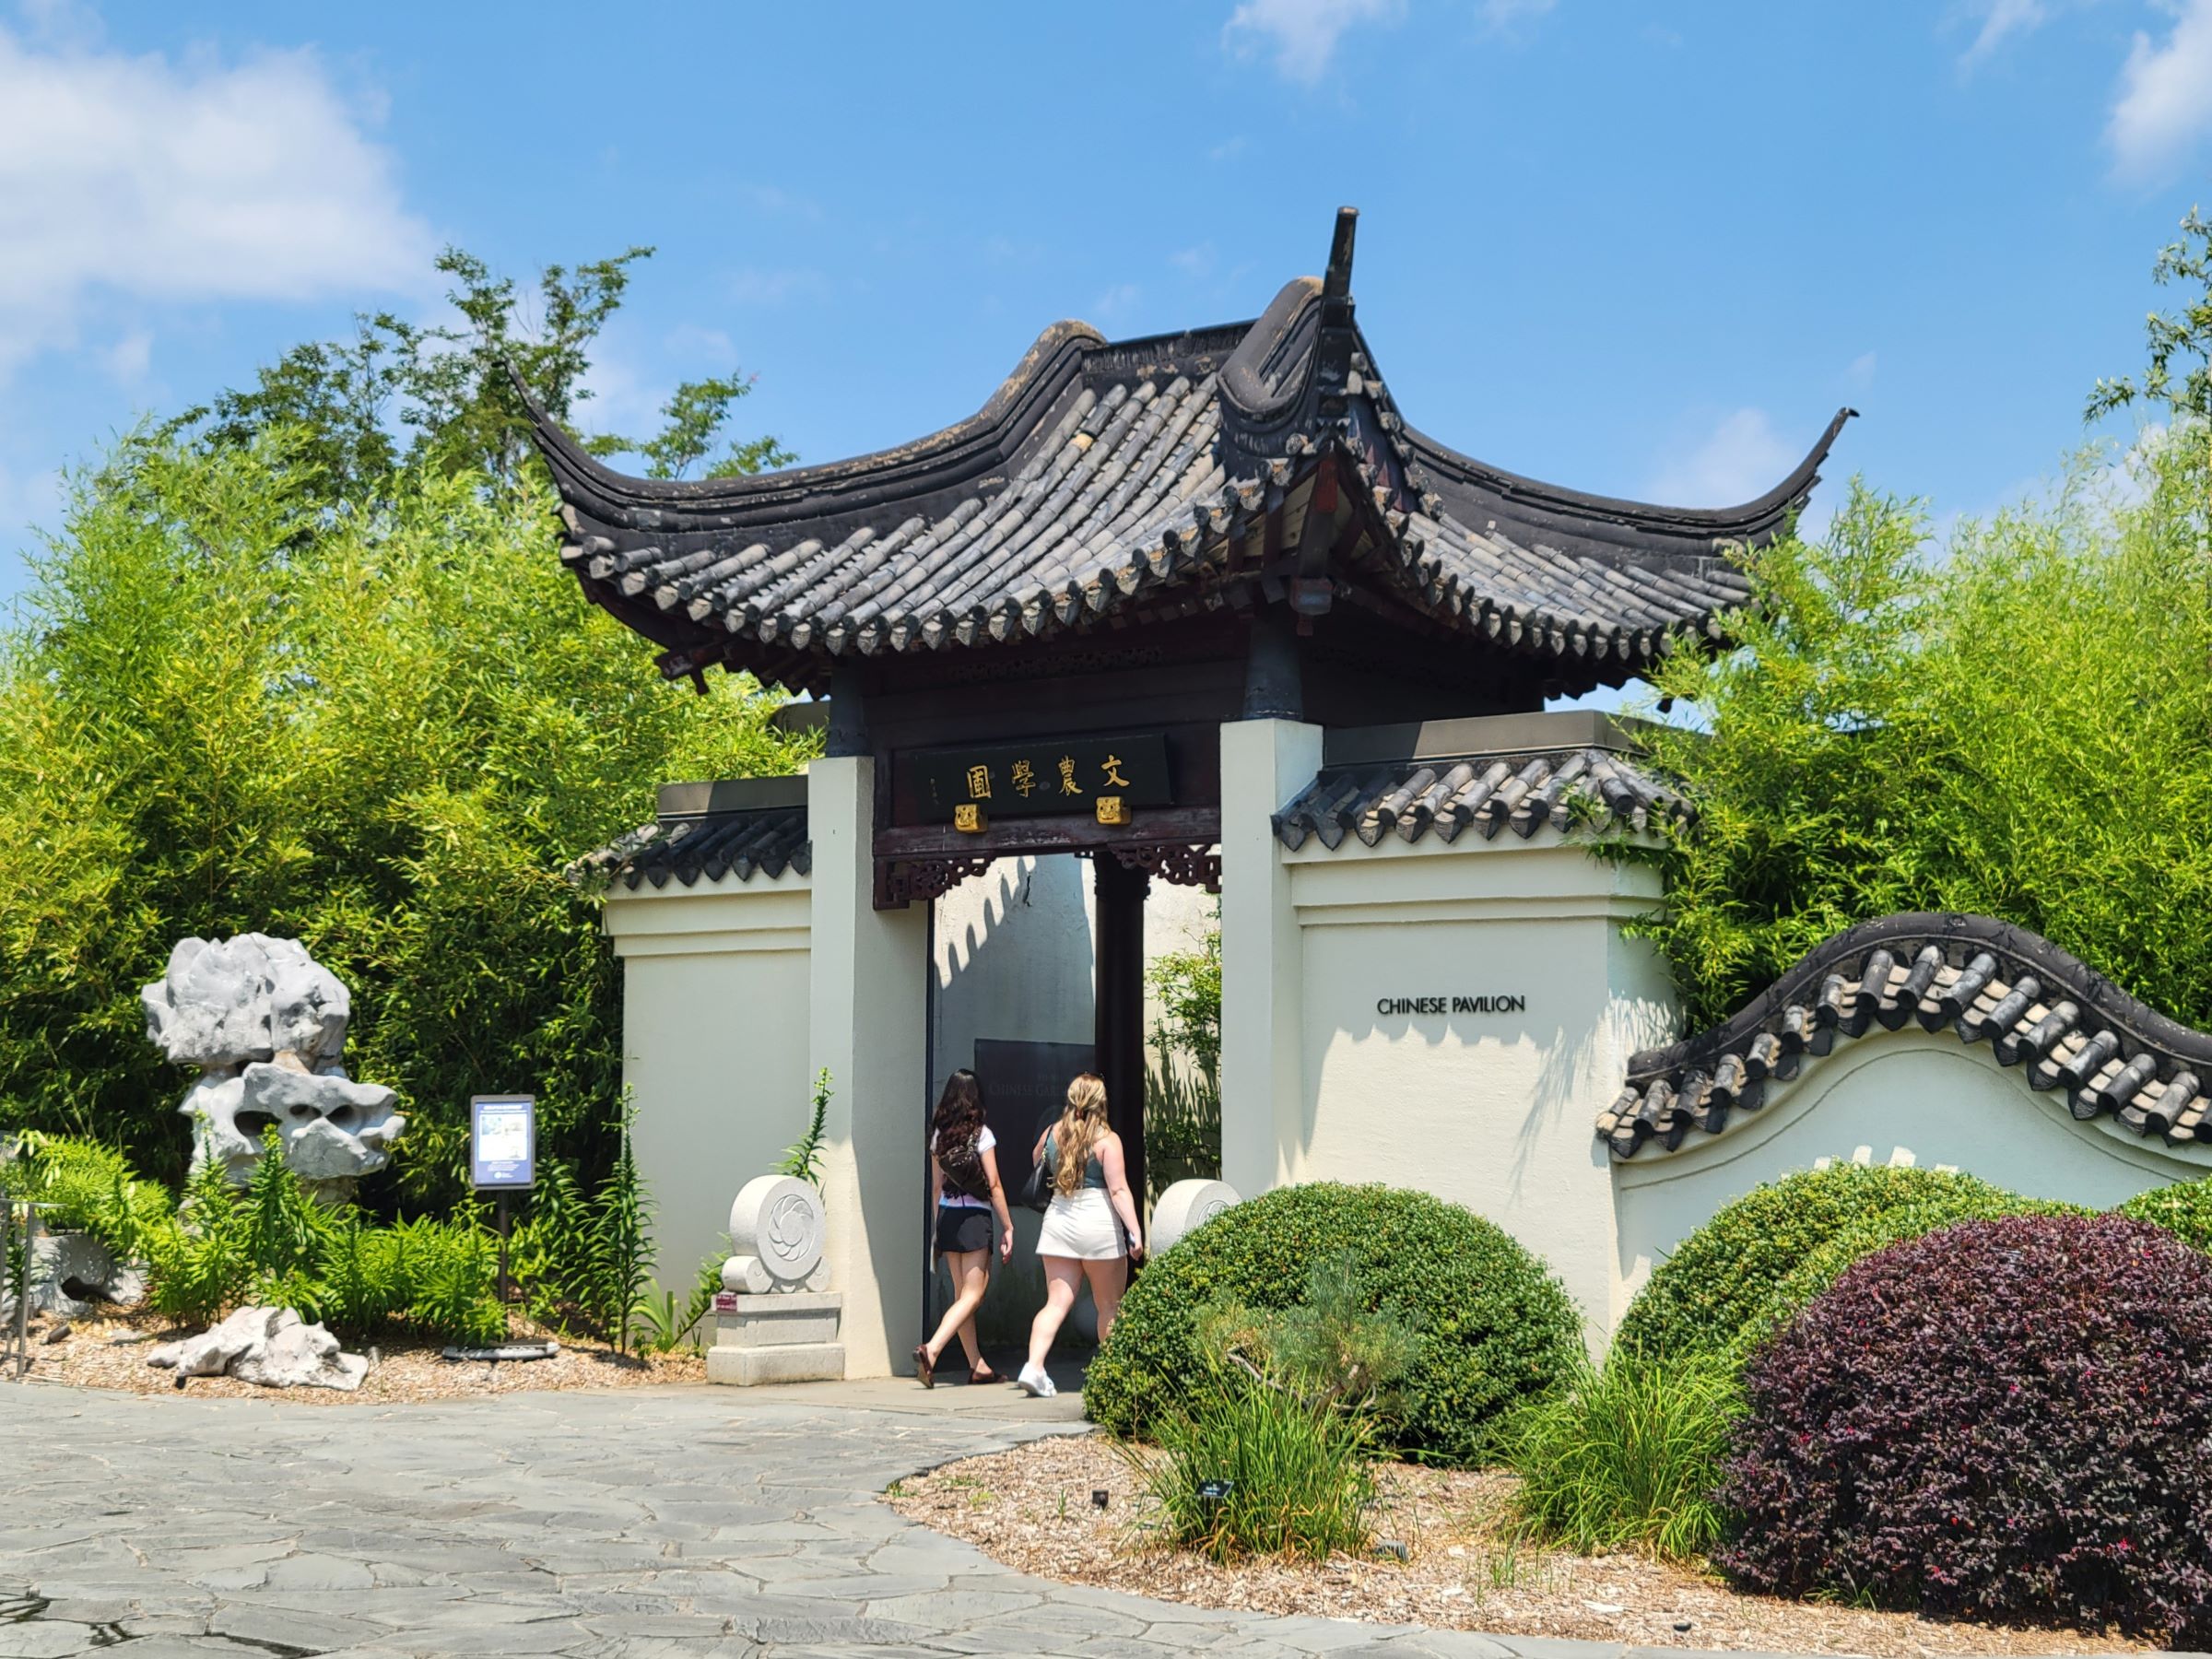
1068	776
1111	810
968	815
1025	779
1113	768
979	783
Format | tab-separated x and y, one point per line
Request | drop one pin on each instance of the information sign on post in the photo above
503	1142
502	1155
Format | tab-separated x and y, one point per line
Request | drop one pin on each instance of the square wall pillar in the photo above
1264	763
868	1023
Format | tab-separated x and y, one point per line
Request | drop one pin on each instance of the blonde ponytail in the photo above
1082	1126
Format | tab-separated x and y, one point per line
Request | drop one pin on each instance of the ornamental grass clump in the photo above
1627	1456
1251	1467
2008	1420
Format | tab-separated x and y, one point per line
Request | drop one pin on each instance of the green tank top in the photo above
1094	1169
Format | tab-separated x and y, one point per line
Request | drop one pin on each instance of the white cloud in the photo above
130	357
2000	18
1506	13
1117	301
754	286
1738	461
1303	34
2164	106
1194	261
1859	373
144	179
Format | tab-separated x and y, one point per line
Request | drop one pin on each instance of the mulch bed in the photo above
1031	1508
108	1349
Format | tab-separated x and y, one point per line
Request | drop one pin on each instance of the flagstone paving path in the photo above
624	1524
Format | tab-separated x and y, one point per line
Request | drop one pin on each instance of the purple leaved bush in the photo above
2007	1420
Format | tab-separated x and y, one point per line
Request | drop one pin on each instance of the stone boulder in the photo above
273	1347
265	1023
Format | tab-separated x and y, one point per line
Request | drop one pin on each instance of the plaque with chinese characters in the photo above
1068	775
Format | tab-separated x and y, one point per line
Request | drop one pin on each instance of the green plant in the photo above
620	1268
551	1250
1492	1327
1331	1347
85	1187
365	1282
803	1158
452	1268
2184	1210
1248	1467
1723	1275
1182	1122
2007	1420
1187	984
282	1229
200	1267
1628	1456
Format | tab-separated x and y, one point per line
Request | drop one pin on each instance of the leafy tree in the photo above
448	390
2179	375
281	670
2019	723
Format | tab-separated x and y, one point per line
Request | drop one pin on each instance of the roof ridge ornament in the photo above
1337	284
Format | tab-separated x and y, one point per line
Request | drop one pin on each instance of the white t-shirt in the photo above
951	1197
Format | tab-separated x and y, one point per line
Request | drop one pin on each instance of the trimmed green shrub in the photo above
1627	1457
2006	1420
1493	1329
1725	1275
2184	1210
1969	1201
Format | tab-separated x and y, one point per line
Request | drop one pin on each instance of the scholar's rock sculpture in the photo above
266	1024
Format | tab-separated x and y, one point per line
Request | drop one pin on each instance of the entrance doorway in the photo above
1037	972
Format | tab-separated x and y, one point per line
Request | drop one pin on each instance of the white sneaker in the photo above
1033	1380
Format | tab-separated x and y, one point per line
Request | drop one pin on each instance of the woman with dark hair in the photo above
1090	1229
965	1195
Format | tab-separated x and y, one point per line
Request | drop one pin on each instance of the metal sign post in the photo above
502	1155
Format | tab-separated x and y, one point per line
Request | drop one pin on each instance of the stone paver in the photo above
638	1525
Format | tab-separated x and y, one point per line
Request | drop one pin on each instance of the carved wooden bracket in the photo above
1183	864
902	881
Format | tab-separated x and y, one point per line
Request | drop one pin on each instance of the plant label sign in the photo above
725	1302
502	1141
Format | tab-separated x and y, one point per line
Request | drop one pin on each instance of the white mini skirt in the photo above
1083	1228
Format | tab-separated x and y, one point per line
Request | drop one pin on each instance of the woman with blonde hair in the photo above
1090	1228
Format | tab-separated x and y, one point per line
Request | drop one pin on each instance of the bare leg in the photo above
1061	1276
1108	1280
970	1273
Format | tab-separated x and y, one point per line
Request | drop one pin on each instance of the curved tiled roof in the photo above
1558	787
742	844
1151	478
2067	1026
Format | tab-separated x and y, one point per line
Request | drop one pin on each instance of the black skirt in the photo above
962	1229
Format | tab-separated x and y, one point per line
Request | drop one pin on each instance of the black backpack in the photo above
963	1167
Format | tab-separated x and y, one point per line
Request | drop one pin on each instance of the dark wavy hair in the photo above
960	1115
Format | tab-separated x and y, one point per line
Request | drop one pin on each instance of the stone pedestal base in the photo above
788	1336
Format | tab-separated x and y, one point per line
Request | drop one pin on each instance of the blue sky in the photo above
1639	248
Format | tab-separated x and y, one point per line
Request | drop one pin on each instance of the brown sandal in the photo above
925	1368
982	1375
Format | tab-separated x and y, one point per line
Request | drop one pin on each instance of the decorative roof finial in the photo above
1337	284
